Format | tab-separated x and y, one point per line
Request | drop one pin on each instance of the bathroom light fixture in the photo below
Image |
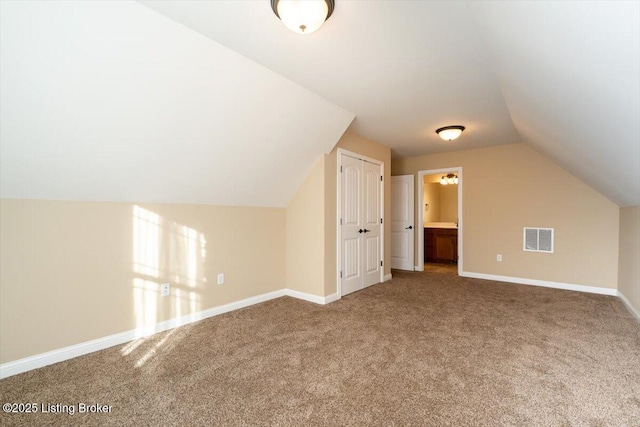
303	16
449	179
449	133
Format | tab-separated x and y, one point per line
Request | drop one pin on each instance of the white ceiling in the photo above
405	68
113	101
561	76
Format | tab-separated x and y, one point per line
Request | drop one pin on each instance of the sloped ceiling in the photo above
114	101
111	101
570	75
405	68
559	75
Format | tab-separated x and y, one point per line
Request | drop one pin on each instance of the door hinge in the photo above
340	221
380	263
380	177
380	220
341	274
340	169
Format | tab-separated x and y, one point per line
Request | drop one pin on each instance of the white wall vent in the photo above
538	239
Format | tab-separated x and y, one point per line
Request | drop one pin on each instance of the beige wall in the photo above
305	263
92	269
629	265
76	271
442	199
509	187
357	144
449	203
431	196
330	242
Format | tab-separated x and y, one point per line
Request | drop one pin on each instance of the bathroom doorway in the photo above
439	216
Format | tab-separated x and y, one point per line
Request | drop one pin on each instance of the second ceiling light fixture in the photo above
449	133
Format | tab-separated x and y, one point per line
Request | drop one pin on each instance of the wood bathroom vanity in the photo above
440	244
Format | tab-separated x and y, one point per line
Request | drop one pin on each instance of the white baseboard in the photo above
331	298
39	360
556	285
387	277
310	297
630	307
43	359
543	283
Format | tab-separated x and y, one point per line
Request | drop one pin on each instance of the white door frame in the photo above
420	186
339	153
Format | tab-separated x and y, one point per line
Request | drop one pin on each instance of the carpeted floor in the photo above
423	349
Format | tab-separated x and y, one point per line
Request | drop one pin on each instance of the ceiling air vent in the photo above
538	239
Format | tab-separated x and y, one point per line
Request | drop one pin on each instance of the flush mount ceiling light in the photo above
303	16
449	179
449	133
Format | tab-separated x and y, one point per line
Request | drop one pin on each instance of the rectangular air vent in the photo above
538	239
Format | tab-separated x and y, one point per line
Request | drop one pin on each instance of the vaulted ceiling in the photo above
217	102
110	101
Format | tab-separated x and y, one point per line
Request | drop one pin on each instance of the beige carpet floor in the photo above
423	349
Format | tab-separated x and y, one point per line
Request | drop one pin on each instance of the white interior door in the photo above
371	223
351	215
402	223
360	212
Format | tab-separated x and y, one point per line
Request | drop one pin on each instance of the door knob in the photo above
361	231
409	227
366	231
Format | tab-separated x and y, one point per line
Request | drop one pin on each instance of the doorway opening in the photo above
439	216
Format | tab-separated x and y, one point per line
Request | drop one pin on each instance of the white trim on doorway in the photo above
339	154
420	218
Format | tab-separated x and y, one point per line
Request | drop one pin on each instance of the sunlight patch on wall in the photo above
146	244
165	251
186	254
145	303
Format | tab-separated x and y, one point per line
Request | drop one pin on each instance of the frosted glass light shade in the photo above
449	179
449	133
303	16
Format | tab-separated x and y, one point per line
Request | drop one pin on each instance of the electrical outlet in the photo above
165	289
221	279
499	258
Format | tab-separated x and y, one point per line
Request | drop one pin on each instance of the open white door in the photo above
402	224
